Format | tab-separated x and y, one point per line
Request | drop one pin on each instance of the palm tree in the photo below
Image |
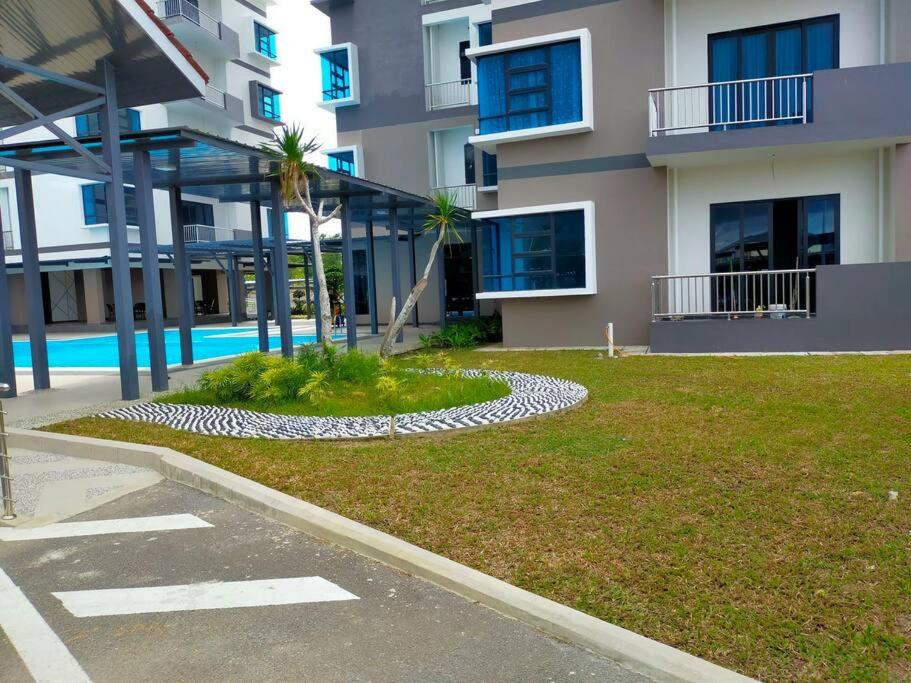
290	148
443	219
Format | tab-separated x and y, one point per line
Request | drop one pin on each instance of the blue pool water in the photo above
101	351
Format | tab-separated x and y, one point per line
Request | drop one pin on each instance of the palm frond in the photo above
445	216
290	148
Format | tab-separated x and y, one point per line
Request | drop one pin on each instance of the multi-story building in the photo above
233	42
705	174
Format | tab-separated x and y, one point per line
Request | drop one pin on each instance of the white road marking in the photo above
200	596
43	653
104	526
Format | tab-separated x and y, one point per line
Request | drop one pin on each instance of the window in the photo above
342	161
464	62
758	53
359	263
95	206
530	88
269	222
268	102
536	254
197	213
90	124
265	40
775	234
485	34
470	175
489	163
336	75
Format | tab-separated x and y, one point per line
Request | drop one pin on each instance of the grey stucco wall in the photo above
863	307
389	38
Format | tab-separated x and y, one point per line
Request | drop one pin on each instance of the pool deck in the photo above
79	393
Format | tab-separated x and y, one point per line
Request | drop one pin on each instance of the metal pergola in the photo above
180	159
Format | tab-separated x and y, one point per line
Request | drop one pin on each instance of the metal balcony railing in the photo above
465	195
730	105
430	2
215	96
772	294
189	11
448	94
7	240
195	233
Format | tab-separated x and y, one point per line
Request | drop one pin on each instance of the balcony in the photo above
465	196
449	94
8	240
198	30
746	121
215	102
196	234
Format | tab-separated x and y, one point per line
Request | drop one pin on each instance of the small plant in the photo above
465	334
282	380
356	367
316	389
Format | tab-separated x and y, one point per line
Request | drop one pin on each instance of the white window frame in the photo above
591	279
358	157
354	73
586	125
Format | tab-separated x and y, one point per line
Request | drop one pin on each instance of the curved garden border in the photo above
530	396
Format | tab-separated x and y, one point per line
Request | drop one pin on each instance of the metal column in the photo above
412	270
31	271
475	270
259	269
283	289
231	274
151	280
441	280
274	278
117	234
394	262
307	298
7	362
183	279
371	281
348	273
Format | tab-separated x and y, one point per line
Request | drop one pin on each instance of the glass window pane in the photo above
566	82
529	264
492	94
485	34
757	218
726	237
821	218
821	43
533	223
336	75
531	244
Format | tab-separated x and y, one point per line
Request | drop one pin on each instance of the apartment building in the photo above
708	175
234	43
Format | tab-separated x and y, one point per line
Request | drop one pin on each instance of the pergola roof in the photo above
69	37
210	166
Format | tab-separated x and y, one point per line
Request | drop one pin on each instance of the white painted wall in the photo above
444	46
690	22
447	154
854	176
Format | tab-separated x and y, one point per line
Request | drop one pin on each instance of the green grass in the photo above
735	508
348	399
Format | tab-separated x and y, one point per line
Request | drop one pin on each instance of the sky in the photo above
302	29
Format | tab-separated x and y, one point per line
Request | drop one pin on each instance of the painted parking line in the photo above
202	596
43	653
105	526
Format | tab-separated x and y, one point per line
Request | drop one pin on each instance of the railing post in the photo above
804	79
652	116
807	294
654	302
6	487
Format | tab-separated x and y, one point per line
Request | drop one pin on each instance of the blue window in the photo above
530	88
336	75
268	101
485	34
534	252
793	48
265	40
197	213
269	222
489	163
95	204
90	124
342	162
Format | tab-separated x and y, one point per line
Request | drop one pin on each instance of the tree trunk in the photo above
392	331
325	321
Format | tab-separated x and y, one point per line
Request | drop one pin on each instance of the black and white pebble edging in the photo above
530	396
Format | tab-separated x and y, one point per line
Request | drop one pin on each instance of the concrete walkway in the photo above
168	583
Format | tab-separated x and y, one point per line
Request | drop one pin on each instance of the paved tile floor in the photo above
398	628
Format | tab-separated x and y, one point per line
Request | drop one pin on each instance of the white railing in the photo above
215	96
756	294
7	240
189	11
448	94
729	104
465	196
195	233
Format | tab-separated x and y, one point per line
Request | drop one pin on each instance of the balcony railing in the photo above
215	96
730	105
189	11
772	294
7	240
448	94
430	2
465	195
195	233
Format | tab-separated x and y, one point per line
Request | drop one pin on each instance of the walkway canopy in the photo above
184	160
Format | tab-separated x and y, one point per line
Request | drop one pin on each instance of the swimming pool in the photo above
101	351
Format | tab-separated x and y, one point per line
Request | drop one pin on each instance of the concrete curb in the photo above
657	660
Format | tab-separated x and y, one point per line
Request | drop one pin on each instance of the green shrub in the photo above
236	382
357	367
316	389
282	380
465	334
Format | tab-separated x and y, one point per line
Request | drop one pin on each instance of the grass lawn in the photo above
735	508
